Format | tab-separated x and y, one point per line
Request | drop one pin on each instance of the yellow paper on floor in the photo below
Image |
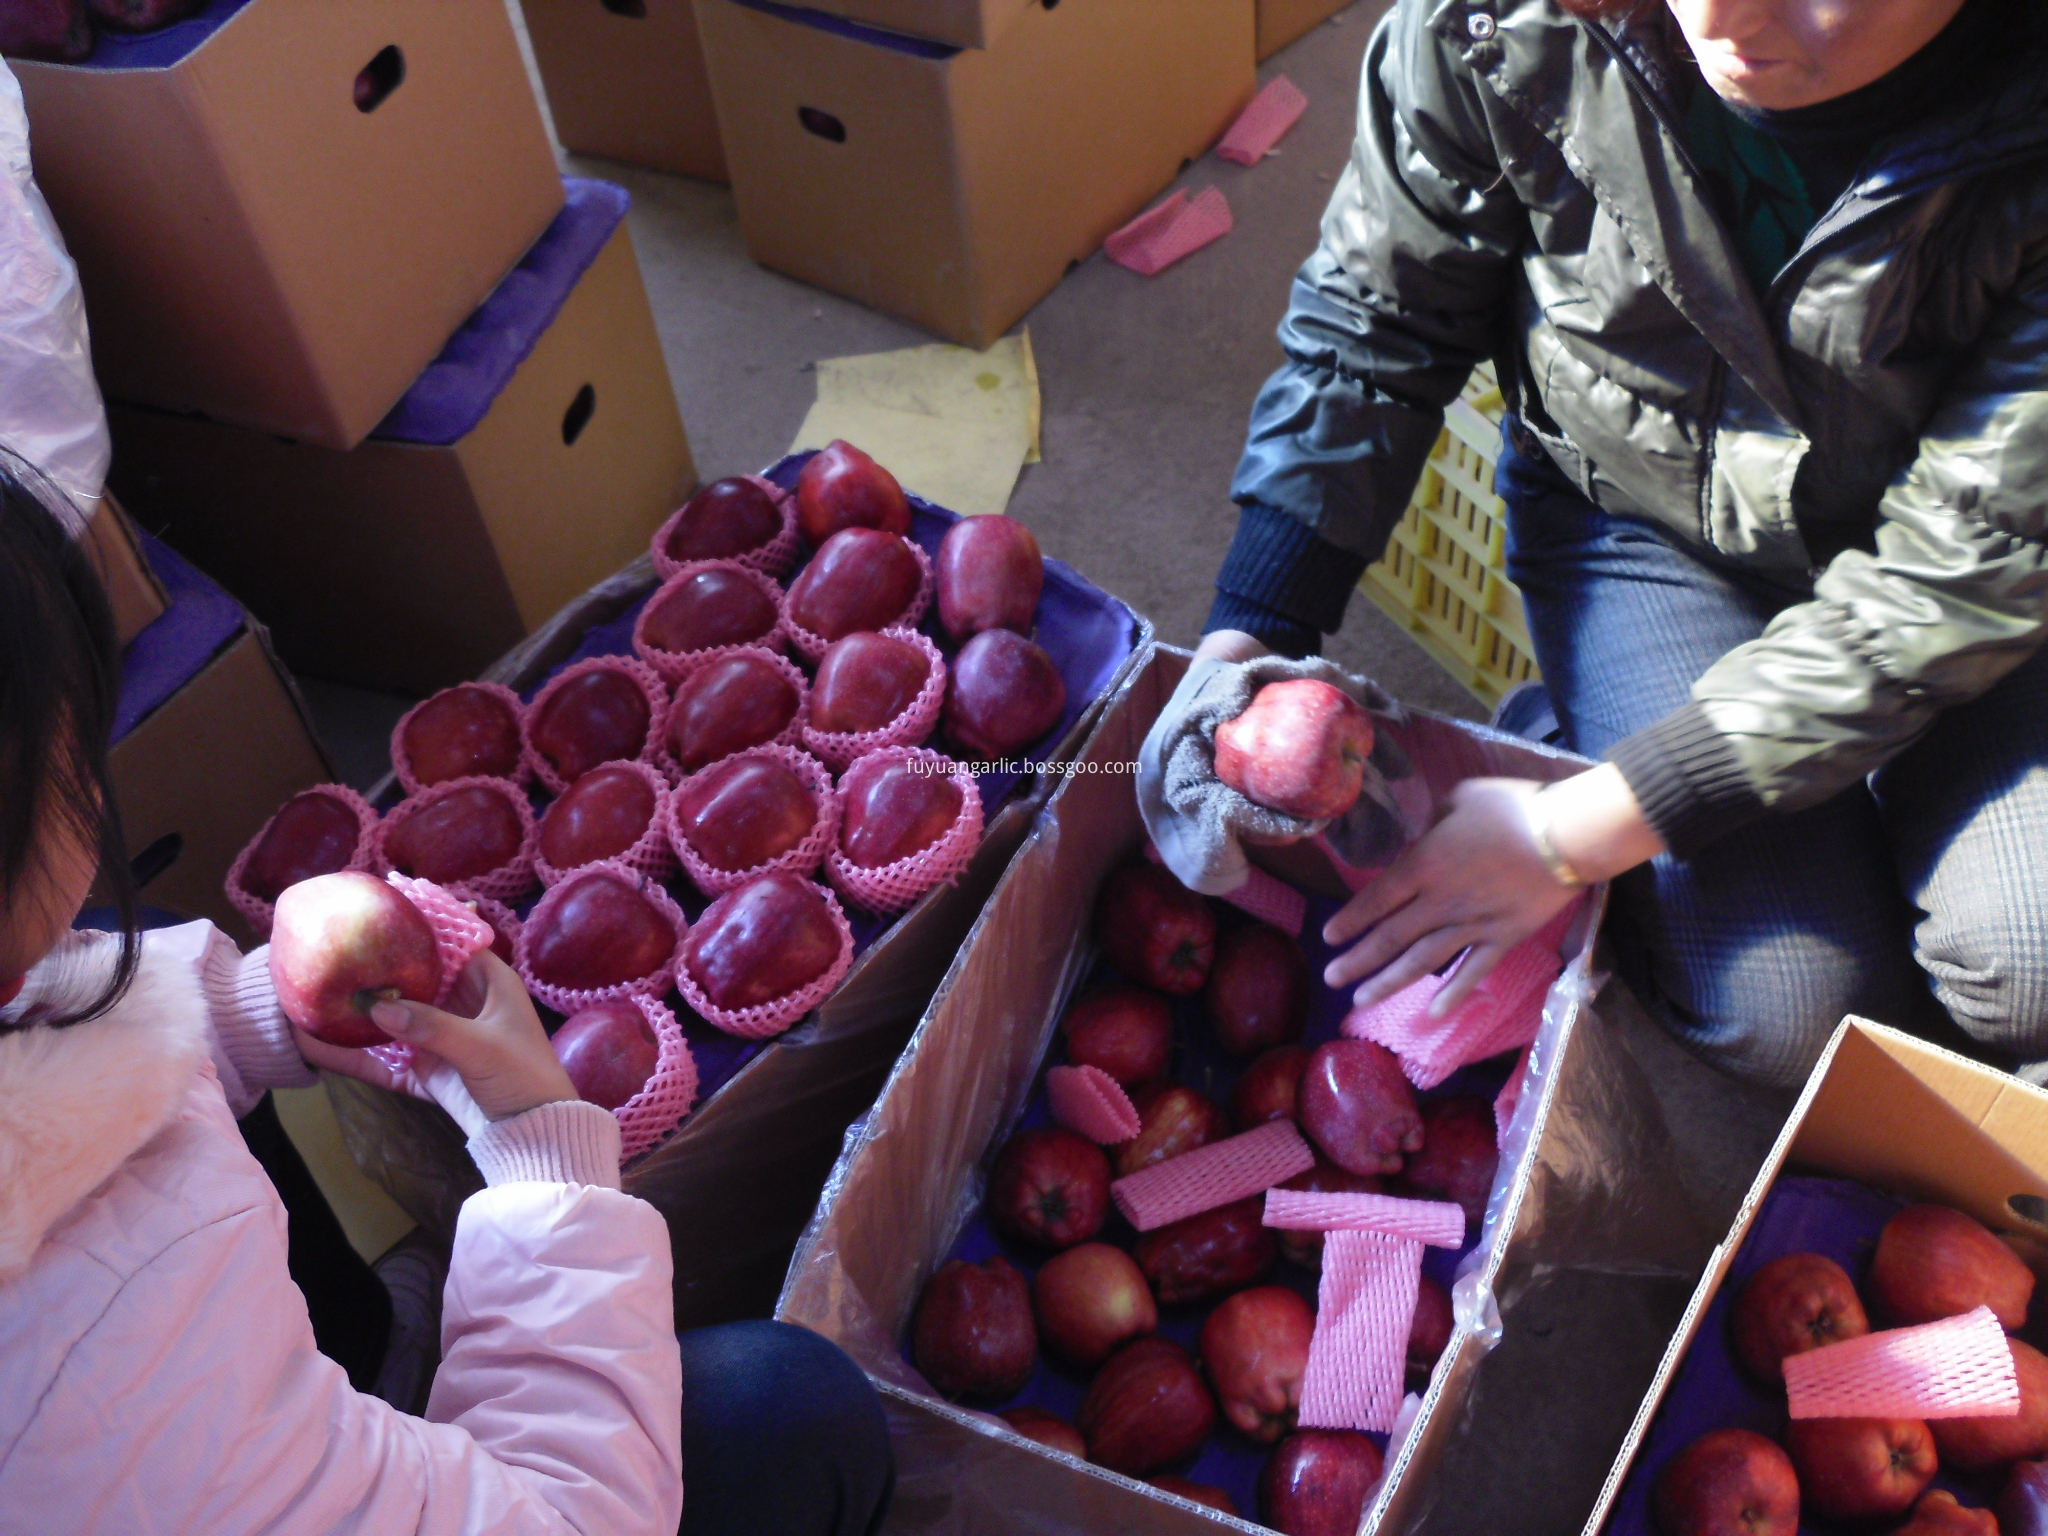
955	426
369	1216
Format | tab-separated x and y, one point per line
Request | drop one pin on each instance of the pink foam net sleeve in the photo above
812	646
772	559
502	920
459	933
791	735
1358	1354
1269	899
670	1091
912	727
766	1020
1509	1097
401	758
1264	123
1214	1175
260	914
893	888
1438	1223
1091	1103
1958	1368
674	666
566	1000
1162	235
650	683
650	854
802	859
512	879
1502	1013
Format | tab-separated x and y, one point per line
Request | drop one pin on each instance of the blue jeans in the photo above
782	1436
1916	899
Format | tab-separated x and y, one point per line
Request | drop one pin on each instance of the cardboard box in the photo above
137	596
1901	1116
963	23
626	79
954	188
1282	21
409	565
255	245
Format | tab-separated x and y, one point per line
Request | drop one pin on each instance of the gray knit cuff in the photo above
1688	780
567	1142
254	1034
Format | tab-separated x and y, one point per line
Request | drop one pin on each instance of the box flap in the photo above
199	623
164	47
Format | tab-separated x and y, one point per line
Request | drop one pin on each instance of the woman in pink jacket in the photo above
157	1369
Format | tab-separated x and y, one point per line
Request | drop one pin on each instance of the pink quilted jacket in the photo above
157	1370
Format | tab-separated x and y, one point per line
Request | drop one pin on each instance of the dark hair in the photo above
60	681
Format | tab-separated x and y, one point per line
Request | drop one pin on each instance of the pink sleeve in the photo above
250	1037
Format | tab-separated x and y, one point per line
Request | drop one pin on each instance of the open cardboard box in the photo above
626	79
1283	21
134	592
1592	1247
963	23
1901	1116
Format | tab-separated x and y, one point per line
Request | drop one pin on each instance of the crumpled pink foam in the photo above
1214	1175
1358	1354
1264	123
1268	899
1503	1012
1957	1368
1162	235
1509	1097
459	933
1439	1223
1091	1103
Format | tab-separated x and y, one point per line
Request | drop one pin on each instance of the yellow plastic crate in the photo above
1443	577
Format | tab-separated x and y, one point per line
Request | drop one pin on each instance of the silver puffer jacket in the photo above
1871	434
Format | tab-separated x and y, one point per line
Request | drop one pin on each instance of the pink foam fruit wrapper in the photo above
805	857
1091	1103
674	666
791	735
1264	123
401	759
1957	1368
1503	1012
1509	1097
512	879
460	935
501	918
772	559
650	854
650	683
1162	235
766	1020
260	914
670	1092
892	888
1214	1175
1439	1223
839	750
812	646
568	1000
1268	899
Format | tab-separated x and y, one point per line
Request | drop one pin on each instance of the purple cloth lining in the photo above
455	392
195	627
1228	1460
163	48
916	47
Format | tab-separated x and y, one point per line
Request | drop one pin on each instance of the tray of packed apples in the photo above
684	834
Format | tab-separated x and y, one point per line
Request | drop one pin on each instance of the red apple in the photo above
865	680
54	30
973	1336
603	814
595	930
1977	1445
989	574
861	579
1196	1493
1793	1304
462	835
1089	1300
596	717
1933	1262
2023	1509
738	701
1257	992
1938	1514
1047	1429
1860	1469
609	1052
1429	1335
504	937
1357	1106
315	834
843	488
341	944
1300	749
891	809
1004	693
1270	1087
1317	1481
1306	1248
1126	1031
140	15
462	732
1458	1155
1172	1119
762	941
1729	1482
1049	1187
1146	1408
1154	929
1254	1349
715	606
726	518
742	812
1206	1255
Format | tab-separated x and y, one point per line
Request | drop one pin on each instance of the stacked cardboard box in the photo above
625	79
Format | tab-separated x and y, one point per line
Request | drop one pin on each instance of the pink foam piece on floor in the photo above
1263	896
1509	1098
1439	1223
1214	1175
1091	1103
1958	1368
1264	123
1178	227
1358	1355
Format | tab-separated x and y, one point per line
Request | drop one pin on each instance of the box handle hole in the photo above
2030	1208
637	9
156	858
577	417
823	124
380	77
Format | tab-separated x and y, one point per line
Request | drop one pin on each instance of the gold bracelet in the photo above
1560	867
